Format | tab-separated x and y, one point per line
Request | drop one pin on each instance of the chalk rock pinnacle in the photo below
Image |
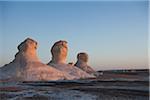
27	67
82	59
59	54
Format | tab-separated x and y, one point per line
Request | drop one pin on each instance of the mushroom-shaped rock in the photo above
27	67
59	54
82	59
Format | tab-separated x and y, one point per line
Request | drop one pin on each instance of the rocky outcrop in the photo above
27	67
82	59
59	53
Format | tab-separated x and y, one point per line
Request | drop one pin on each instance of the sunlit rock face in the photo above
27	67
82	60
59	54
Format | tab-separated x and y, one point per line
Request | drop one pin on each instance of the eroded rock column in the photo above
82	60
59	54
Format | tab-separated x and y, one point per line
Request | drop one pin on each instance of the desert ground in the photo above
110	85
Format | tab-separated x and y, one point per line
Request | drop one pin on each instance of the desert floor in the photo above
109	86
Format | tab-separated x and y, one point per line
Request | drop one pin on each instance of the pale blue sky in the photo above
114	34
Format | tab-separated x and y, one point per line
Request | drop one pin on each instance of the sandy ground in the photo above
109	86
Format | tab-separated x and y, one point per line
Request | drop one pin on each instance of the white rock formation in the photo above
59	53
27	67
82	60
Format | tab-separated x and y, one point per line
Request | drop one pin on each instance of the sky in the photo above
113	33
